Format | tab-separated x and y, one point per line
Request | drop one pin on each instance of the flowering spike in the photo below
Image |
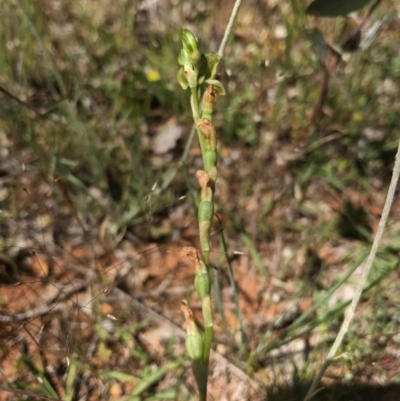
202	280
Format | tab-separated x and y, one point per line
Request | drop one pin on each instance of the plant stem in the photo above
187	76
205	217
208	334
195	103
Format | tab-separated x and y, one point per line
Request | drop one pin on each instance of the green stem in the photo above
201	367
206	212
207	139
208	335
208	330
200	371
195	103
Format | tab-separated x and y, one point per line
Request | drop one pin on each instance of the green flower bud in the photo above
204	179
208	104
189	56
194	345
207	130
195	58
204	234
189	42
194	340
202	285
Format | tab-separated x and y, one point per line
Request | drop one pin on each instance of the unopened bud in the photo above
189	56
202	285
209	100
194	340
204	182
189	41
207	129
203	178
202	280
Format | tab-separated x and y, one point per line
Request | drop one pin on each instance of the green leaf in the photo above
120	376
151	378
335	8
319	45
165	395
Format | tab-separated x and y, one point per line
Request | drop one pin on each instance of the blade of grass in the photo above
243	329
166	395
153	378
367	268
217	287
69	382
251	247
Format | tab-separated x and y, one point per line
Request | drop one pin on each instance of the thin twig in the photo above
367	268
34	313
18	100
39	112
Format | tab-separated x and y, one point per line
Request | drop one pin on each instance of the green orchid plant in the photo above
197	73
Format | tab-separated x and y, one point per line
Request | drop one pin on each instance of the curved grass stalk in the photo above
363	280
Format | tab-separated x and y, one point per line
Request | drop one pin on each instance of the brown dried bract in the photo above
187	312
210	95
207	129
203	179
